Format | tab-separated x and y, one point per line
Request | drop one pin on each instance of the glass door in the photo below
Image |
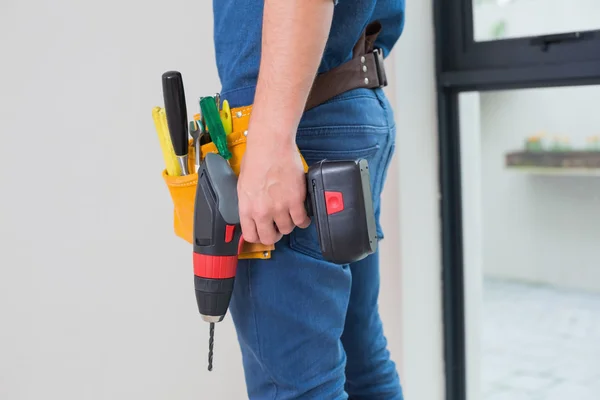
519	144
530	188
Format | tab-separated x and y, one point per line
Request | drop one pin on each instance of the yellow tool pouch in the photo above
183	188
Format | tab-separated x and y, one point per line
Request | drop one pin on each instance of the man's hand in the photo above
271	186
271	192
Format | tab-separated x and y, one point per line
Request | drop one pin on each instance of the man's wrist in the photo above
273	123
270	136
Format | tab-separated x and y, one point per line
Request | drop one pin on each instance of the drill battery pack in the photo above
339	198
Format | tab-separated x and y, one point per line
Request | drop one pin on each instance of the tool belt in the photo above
364	70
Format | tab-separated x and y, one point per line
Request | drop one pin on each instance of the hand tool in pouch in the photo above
160	123
174	98
196	131
214	126
338	198
226	118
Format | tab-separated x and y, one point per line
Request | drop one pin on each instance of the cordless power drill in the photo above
338	199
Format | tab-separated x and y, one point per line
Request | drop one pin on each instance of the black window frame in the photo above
468	54
463	65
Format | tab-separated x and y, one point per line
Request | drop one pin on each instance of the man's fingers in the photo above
249	231
267	231
284	222
299	216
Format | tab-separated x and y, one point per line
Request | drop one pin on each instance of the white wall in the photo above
95	292
391	269
418	208
96	300
540	229
534	17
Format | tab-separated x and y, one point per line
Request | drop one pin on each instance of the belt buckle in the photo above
378	53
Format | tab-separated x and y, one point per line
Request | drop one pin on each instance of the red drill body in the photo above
217	237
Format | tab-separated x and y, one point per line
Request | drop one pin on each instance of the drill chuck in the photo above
213	297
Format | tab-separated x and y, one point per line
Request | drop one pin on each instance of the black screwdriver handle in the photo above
175	108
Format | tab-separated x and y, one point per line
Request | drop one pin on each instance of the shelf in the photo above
567	163
556	171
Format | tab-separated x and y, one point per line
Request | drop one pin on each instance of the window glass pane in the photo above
531	208
505	19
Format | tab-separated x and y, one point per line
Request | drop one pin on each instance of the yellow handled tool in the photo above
226	118
162	129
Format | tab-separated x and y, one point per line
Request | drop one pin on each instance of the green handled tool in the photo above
212	119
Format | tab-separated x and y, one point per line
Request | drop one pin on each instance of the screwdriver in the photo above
212	119
174	97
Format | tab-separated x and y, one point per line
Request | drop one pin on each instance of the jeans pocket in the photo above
306	241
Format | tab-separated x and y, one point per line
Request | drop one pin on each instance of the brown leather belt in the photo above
364	70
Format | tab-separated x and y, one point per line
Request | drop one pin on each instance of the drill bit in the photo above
211	345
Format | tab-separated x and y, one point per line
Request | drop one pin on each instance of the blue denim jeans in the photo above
310	329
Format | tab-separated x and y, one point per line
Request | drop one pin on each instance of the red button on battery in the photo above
334	202
229	229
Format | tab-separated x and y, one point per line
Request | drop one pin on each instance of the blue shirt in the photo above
237	36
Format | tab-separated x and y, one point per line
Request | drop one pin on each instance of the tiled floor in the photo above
540	343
